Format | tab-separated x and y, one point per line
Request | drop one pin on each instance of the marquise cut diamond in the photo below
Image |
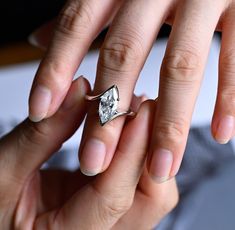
108	105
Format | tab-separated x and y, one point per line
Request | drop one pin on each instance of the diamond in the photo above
108	104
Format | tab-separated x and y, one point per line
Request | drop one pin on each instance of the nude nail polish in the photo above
224	129
40	103
161	164
92	158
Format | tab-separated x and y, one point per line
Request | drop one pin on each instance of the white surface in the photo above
15	83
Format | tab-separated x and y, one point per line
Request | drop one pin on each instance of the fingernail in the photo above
225	129
92	159
161	164
36	41
72	98
144	97
39	103
33	40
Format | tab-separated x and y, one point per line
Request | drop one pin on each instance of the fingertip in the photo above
41	37
161	165
85	82
76	93
147	106
35	119
81	84
39	103
35	40
137	101
32	39
92	158
161	180
88	173
223	128
143	97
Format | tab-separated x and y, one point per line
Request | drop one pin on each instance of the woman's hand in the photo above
123	197
131	35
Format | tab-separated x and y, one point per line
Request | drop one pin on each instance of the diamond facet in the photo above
108	104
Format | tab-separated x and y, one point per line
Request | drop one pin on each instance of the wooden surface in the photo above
23	52
19	53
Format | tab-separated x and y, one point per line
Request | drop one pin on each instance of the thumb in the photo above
31	144
100	204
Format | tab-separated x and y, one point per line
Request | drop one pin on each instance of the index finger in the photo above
79	23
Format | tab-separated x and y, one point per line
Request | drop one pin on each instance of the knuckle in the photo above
55	73
227	62
112	205
33	134
166	200
182	65
120	53
170	130
75	18
115	209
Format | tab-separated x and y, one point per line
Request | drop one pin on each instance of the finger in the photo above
104	201
121	58
151	204
137	101
78	25
61	185
223	125
42	36
181	75
30	144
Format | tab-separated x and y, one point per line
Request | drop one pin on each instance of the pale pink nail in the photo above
33	40
160	166
92	158
39	103
225	129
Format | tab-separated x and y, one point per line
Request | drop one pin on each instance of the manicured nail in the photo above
224	129
39	103
144	97
92	159
33	40
160	166
77	92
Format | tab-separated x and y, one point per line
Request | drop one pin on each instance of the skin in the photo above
134	27
31	198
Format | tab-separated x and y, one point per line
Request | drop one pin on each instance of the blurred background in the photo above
207	177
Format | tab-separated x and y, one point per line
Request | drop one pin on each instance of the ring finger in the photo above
122	57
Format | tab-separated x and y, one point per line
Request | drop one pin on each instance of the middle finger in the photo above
181	76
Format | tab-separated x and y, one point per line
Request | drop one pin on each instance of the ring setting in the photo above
108	105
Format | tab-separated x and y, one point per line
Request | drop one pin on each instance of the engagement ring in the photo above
108	105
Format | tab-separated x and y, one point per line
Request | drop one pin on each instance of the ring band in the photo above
108	105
